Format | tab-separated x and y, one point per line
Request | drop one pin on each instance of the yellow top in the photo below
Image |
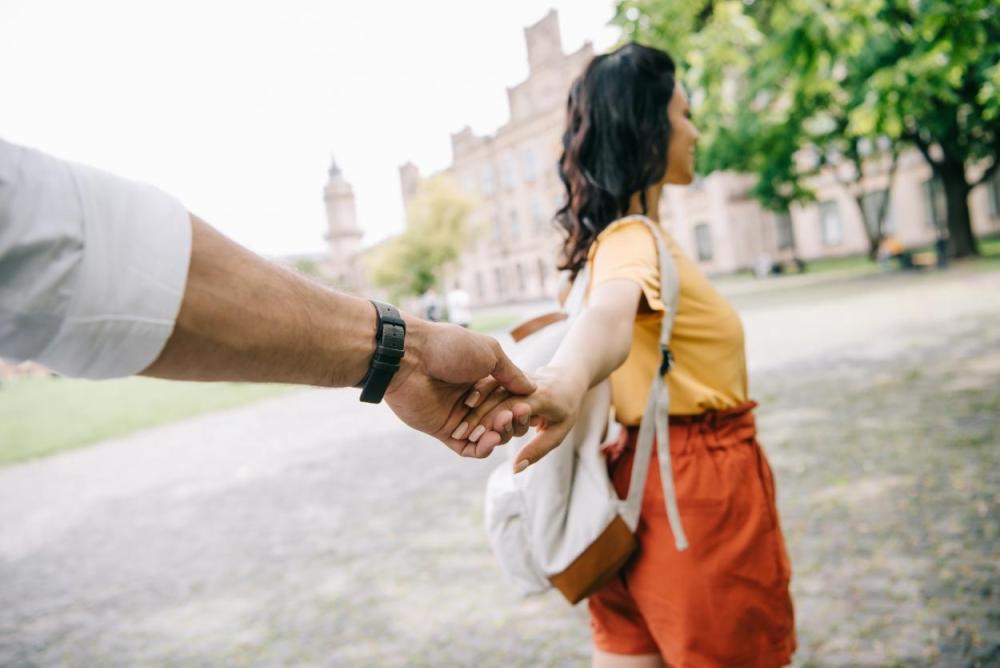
709	370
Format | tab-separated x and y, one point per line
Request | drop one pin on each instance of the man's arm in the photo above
243	318
101	277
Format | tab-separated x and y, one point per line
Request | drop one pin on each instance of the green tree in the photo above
770	78
719	46
938	87
827	63
439	228
308	267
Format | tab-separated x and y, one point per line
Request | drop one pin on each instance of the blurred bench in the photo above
915	261
925	260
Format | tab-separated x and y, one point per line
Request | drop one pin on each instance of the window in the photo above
486	180
786	233
498	281
507	172
872	204
935	205
528	165
496	233
537	214
522	284
543	273
703	242
514	231
831	228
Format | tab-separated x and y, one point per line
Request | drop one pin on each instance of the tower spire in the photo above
334	171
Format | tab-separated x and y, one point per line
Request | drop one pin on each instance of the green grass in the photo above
848	263
855	262
990	248
43	416
494	322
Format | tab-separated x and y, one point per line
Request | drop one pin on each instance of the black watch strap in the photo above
390	335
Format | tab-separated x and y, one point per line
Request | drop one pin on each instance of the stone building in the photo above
719	225
343	265
513	174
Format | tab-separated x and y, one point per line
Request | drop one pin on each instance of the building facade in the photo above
719	225
343	266
513	175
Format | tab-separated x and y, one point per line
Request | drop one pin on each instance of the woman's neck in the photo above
652	203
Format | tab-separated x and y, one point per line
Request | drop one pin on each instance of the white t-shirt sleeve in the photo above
92	266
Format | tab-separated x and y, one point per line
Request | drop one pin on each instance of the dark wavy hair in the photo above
615	142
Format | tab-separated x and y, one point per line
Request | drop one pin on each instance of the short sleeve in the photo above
626	249
92	266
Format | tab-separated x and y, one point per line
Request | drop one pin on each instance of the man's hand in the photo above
434	389
552	410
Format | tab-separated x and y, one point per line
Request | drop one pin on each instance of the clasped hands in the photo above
461	388
496	414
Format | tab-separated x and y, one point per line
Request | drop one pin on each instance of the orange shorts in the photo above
724	601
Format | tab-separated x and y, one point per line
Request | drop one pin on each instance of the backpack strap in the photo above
655	419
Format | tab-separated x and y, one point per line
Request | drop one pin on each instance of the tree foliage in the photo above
439	227
771	79
308	267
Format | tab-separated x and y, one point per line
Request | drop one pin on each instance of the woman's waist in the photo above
714	428
742	412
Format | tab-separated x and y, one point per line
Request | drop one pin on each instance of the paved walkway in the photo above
310	530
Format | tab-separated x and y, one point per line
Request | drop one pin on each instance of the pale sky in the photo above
236	107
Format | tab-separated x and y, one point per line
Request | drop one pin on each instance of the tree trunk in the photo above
872	232
873	245
962	242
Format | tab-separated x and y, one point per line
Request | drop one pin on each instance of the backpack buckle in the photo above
667	359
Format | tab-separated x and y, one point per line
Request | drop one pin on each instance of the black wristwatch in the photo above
390	334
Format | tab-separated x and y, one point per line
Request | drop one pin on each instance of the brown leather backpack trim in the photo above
529	327
597	564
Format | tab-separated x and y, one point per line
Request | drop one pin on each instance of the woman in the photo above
724	601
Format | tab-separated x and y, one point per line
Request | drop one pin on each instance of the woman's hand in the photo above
552	410
597	343
433	389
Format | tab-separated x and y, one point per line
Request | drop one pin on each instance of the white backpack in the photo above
560	523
